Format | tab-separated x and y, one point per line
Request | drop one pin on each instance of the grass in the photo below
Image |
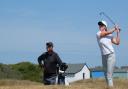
86	84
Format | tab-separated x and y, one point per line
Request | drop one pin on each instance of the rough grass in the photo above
86	84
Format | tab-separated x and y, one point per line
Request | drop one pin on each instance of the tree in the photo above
29	71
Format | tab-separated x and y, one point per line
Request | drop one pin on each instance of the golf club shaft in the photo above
102	13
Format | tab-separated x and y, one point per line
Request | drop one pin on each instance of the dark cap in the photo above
49	44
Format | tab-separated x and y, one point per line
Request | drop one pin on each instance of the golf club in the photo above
104	14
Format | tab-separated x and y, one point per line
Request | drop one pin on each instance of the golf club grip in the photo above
119	28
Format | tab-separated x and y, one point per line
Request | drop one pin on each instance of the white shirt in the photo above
105	43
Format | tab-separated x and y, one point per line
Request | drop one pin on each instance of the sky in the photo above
26	25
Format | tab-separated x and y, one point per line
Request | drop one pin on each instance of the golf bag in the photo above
61	74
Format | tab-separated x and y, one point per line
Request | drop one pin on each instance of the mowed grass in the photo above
85	84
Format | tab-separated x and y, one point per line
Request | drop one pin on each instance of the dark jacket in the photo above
50	62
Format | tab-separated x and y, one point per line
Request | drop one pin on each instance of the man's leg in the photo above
110	68
45	81
49	79
52	80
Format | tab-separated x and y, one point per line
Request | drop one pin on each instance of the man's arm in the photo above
116	40
105	33
40	59
59	61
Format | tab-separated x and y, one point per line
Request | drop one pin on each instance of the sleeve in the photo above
40	59
59	61
111	36
98	34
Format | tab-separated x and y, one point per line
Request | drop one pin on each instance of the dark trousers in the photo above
49	79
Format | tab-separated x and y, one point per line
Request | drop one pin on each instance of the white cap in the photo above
102	23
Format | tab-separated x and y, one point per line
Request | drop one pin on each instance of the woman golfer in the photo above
105	41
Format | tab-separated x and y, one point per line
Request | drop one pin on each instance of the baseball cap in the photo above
49	44
102	23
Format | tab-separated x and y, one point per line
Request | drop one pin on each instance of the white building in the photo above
77	72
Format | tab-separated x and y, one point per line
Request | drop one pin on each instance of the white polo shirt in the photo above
105	43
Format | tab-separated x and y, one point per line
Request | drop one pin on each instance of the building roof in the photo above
115	70
124	67
120	70
74	68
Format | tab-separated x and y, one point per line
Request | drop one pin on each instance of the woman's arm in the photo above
116	40
105	33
